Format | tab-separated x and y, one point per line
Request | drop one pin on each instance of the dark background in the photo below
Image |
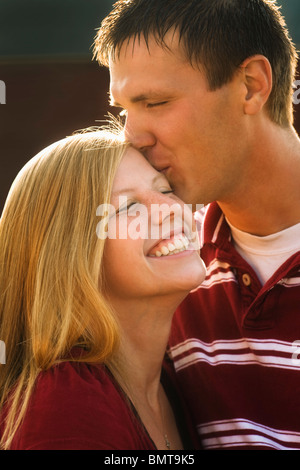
52	85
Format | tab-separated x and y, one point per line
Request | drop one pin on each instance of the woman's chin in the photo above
190	277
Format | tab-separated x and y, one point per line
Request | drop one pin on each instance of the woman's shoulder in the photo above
77	405
71	381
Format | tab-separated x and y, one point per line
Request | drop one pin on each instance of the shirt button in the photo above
246	279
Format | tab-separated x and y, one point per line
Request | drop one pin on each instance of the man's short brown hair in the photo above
217	35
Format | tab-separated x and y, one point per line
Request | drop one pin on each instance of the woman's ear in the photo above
257	76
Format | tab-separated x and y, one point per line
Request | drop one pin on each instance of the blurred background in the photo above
52	85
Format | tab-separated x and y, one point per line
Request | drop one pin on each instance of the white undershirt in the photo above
266	254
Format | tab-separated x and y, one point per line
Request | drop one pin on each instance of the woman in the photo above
87	301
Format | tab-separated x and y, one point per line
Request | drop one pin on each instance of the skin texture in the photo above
144	191
212	145
145	297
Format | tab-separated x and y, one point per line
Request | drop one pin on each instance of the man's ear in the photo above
257	76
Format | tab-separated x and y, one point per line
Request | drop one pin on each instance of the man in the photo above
206	87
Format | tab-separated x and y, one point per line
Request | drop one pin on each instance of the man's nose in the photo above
138	133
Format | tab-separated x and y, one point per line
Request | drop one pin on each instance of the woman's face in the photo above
152	248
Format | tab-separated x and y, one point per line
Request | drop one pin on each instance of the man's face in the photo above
195	136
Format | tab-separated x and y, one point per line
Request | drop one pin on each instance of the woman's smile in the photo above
175	244
156	228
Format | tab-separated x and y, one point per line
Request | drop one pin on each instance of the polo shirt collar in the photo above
215	229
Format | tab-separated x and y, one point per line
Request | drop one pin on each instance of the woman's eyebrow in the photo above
124	190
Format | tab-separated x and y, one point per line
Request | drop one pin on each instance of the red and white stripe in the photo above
290	282
216	273
246	433
244	351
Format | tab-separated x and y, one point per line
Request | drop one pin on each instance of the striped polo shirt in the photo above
235	345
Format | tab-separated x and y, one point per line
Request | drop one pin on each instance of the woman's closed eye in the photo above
125	208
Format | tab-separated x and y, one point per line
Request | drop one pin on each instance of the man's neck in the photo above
268	201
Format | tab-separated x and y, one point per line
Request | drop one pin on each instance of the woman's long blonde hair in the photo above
50	265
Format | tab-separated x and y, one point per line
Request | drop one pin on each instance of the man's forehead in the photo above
139	48
145	68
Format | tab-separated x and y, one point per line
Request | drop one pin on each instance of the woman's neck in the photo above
145	332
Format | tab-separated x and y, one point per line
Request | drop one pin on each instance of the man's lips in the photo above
158	164
164	170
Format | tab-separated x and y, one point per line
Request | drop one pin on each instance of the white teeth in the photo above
176	246
165	250
184	240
